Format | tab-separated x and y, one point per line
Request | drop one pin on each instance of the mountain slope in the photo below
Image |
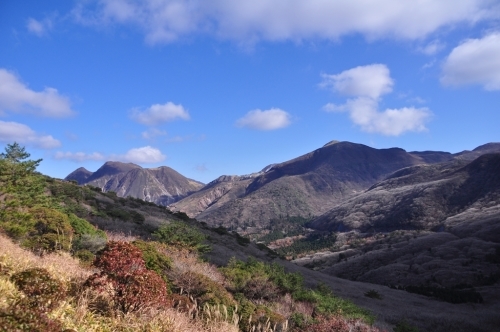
305	186
430	226
161	185
418	197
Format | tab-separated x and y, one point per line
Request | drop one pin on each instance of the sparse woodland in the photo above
75	259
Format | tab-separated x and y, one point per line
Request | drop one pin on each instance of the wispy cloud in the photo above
79	156
271	119
17	97
143	155
160	113
153	133
21	133
432	48
39	28
367	84
474	61
278	20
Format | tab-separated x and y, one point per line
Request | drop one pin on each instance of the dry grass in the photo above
78	312
60	265
121	237
184	261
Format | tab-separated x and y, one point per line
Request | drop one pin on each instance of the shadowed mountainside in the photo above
418	197
424	226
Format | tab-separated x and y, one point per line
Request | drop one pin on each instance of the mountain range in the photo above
307	186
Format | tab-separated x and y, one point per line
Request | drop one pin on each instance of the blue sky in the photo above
218	87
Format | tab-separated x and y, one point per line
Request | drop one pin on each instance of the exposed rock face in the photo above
161	185
213	195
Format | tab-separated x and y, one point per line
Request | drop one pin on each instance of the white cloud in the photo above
144	155
39	28
475	61
370	81
152	133
17	97
271	119
244	21
331	107
157	114
21	133
79	156
367	84
391	122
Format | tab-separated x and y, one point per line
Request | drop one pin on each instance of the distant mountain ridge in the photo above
308	185
161	185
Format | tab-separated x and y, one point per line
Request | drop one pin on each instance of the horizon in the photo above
212	88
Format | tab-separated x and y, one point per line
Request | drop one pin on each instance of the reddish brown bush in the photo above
43	292
21	316
125	278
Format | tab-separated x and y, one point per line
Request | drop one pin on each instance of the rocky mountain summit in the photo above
161	185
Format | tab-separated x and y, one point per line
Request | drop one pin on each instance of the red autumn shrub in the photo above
43	292
22	317
125	278
120	258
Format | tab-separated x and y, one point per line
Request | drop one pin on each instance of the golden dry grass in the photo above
184	261
75	313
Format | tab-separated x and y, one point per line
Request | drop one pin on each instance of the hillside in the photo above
161	185
427	229
305	186
418	198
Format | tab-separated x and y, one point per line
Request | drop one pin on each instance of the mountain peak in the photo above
493	146
79	175
331	143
